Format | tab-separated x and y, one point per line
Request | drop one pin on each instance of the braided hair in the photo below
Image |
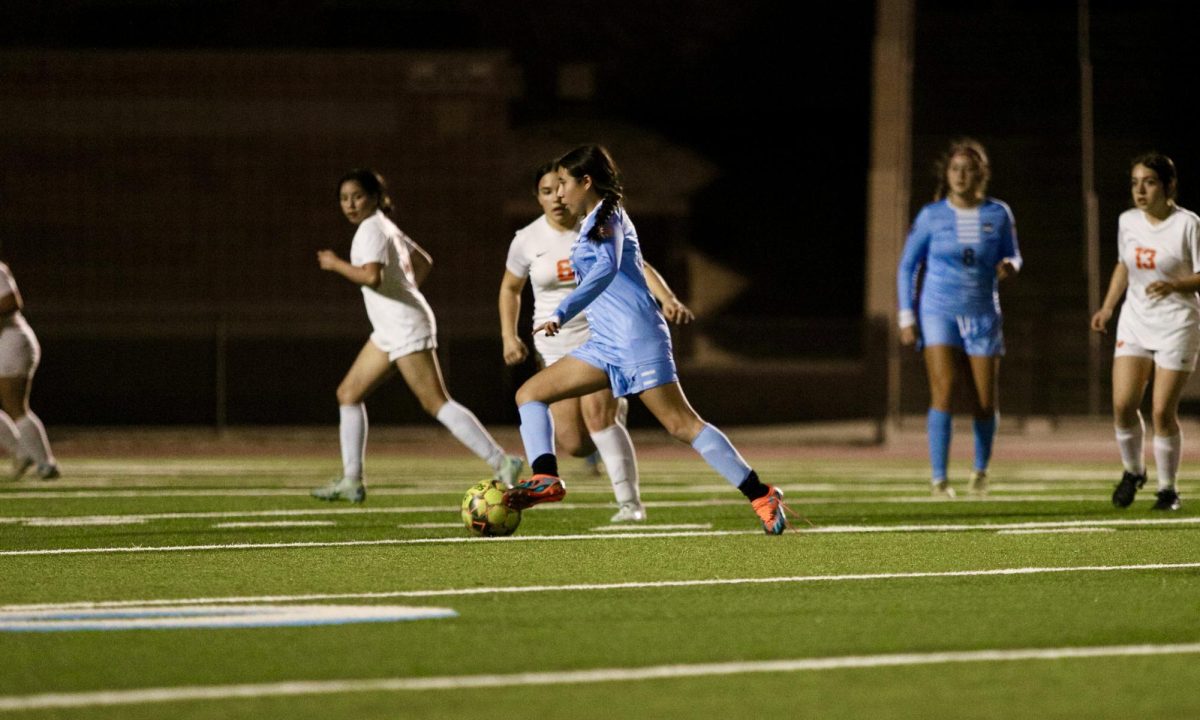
372	184
595	162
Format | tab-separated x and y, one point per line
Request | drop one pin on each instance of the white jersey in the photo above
543	254
1169	250
397	309
19	349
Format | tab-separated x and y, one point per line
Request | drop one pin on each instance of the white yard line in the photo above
594	587
1055	531
573	677
277	524
636	527
625	535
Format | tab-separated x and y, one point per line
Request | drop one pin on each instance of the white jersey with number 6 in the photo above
19	349
398	311
543	254
1169	250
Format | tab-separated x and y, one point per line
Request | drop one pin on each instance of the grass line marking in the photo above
277	524
627	535
582	587
573	677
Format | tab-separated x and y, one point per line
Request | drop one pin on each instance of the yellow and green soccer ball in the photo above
484	512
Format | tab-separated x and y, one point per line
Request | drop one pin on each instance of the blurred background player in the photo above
1158	332
629	348
540	252
389	267
965	242
21	431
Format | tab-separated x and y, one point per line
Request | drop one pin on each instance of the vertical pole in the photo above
889	181
1091	204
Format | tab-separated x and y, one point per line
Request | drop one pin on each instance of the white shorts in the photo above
19	351
1173	350
553	349
398	348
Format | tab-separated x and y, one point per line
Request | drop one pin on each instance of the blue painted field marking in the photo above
212	617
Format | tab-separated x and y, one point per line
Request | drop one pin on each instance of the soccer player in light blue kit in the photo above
629	350
966	243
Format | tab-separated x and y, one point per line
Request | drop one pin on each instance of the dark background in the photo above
776	100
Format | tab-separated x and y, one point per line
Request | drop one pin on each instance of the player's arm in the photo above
1116	288
1010	252
422	262
608	263
511	286
673	308
916	250
368	275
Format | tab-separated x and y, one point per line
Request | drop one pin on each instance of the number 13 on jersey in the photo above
565	273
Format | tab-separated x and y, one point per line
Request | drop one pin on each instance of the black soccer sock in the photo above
545	465
752	487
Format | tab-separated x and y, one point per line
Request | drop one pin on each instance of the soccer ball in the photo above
484	512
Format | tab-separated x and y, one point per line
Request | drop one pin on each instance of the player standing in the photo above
966	243
21	431
1158	333
389	267
540	253
629	349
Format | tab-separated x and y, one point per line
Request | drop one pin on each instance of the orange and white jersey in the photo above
543	254
1169	250
19	348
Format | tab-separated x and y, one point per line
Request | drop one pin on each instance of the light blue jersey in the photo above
959	250
630	339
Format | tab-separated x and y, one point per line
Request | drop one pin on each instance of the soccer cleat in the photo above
771	511
48	472
629	512
510	470
351	489
1168	499
535	491
979	482
943	489
20	464
1122	496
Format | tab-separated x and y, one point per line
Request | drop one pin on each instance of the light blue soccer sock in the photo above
985	433
718	452
938	424
537	430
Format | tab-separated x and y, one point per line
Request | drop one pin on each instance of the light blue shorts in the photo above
630	380
978	335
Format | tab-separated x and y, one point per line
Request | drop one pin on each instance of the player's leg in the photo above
1130	375
570	431
670	406
366	373
985	376
940	367
616	449
1168	440
569	377
12	401
423	375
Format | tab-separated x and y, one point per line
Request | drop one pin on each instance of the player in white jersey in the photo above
21	431
1158	333
389	267
540	253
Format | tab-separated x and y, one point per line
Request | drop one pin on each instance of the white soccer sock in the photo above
464	426
616	450
622	415
10	438
1166	458
1130	442
353	433
32	440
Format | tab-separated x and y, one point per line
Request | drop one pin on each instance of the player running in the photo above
966	243
1158	333
21	431
629	349
389	267
540	253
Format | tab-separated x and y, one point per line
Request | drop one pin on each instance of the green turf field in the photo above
1040	601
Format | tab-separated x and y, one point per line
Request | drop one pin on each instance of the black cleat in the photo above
1127	488
1167	500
